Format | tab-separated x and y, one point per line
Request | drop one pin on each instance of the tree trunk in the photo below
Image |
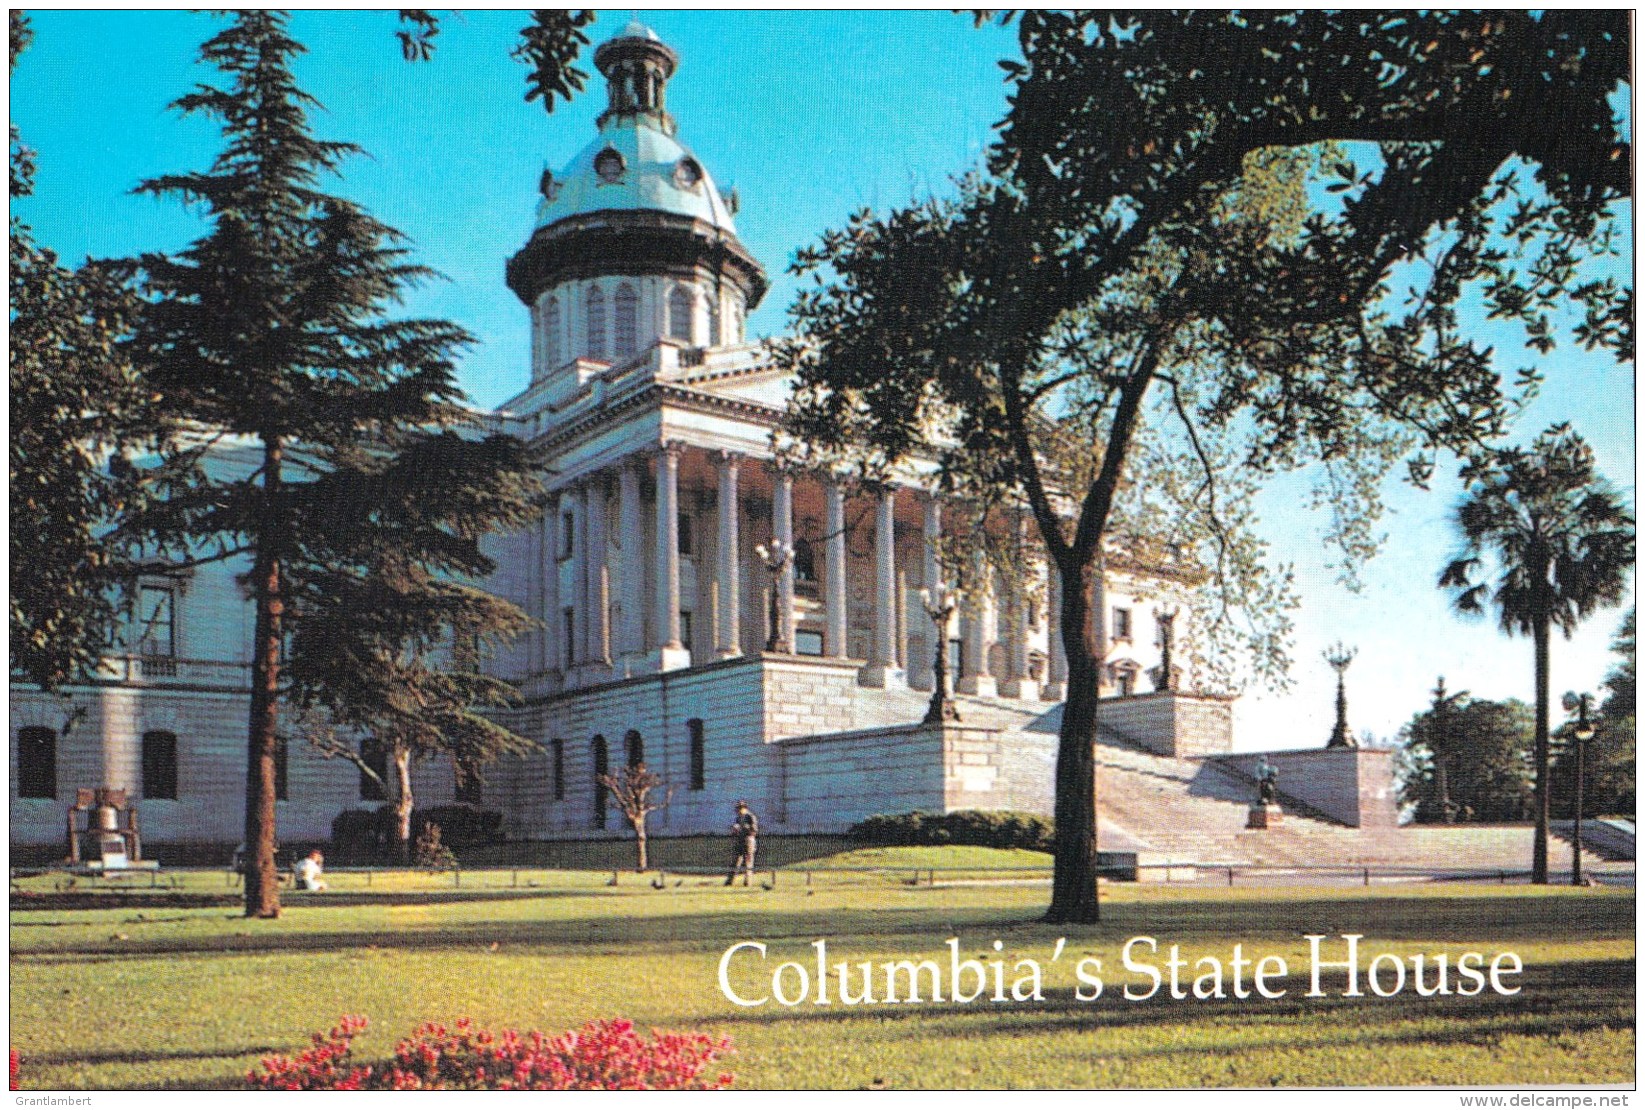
1074	877
1539	844
404	803
261	873
639	843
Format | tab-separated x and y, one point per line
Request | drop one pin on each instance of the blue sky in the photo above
810	115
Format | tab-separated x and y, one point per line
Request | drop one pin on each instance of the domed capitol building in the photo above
664	637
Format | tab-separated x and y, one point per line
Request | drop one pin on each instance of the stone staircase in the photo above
1194	811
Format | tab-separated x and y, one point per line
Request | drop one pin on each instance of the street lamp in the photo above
775	558
1339	657
1583	733
939	606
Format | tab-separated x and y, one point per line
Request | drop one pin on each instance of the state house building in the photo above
656	422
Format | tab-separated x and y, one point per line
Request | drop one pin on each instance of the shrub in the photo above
986	828
362	835
602	1056
431	855
461	826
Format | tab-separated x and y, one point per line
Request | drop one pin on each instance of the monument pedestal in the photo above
1264	816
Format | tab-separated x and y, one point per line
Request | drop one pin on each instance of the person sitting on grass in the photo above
307	871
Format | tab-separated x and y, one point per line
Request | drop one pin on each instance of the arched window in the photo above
596	323
634	748
160	765
716	337
679	315
559	769
37	763
374	755
548	341
602	766
699	754
626	327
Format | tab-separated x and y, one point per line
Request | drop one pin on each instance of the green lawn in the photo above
191	994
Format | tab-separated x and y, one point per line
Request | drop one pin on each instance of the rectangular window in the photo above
160	765
559	770
956	658
699	754
469	789
807	642
568	534
37	763
685	534
375	756
685	628
156	622
1122	623
568	637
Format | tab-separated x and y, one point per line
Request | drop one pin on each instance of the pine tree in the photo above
325	419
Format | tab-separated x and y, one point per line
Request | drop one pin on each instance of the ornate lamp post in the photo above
775	558
939	606
1583	733
1339	657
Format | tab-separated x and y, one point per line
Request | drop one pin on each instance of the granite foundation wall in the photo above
1171	724
1351	785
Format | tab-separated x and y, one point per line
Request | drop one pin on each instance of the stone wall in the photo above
1171	724
1351	785
104	748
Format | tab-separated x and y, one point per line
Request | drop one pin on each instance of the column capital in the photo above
727	457
671	449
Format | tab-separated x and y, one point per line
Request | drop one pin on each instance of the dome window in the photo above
688	174
609	165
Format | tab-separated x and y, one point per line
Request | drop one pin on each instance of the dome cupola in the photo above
635	214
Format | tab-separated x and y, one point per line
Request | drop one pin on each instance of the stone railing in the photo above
154	670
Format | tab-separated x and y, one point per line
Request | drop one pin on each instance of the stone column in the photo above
730	566
631	637
534	542
599	585
931	580
882	665
782	530
1056	661
577	650
834	601
975	678
554	646
1014	632
671	653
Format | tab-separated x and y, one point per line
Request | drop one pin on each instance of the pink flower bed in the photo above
601	1056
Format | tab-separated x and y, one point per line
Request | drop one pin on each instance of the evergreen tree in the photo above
325	419
1466	760
1609	763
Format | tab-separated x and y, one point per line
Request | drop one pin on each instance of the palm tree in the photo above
1545	542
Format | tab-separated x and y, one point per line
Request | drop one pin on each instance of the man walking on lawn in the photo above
744	831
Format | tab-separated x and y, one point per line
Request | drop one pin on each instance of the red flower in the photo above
603	1055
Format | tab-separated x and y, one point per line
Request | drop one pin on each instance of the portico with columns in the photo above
659	619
